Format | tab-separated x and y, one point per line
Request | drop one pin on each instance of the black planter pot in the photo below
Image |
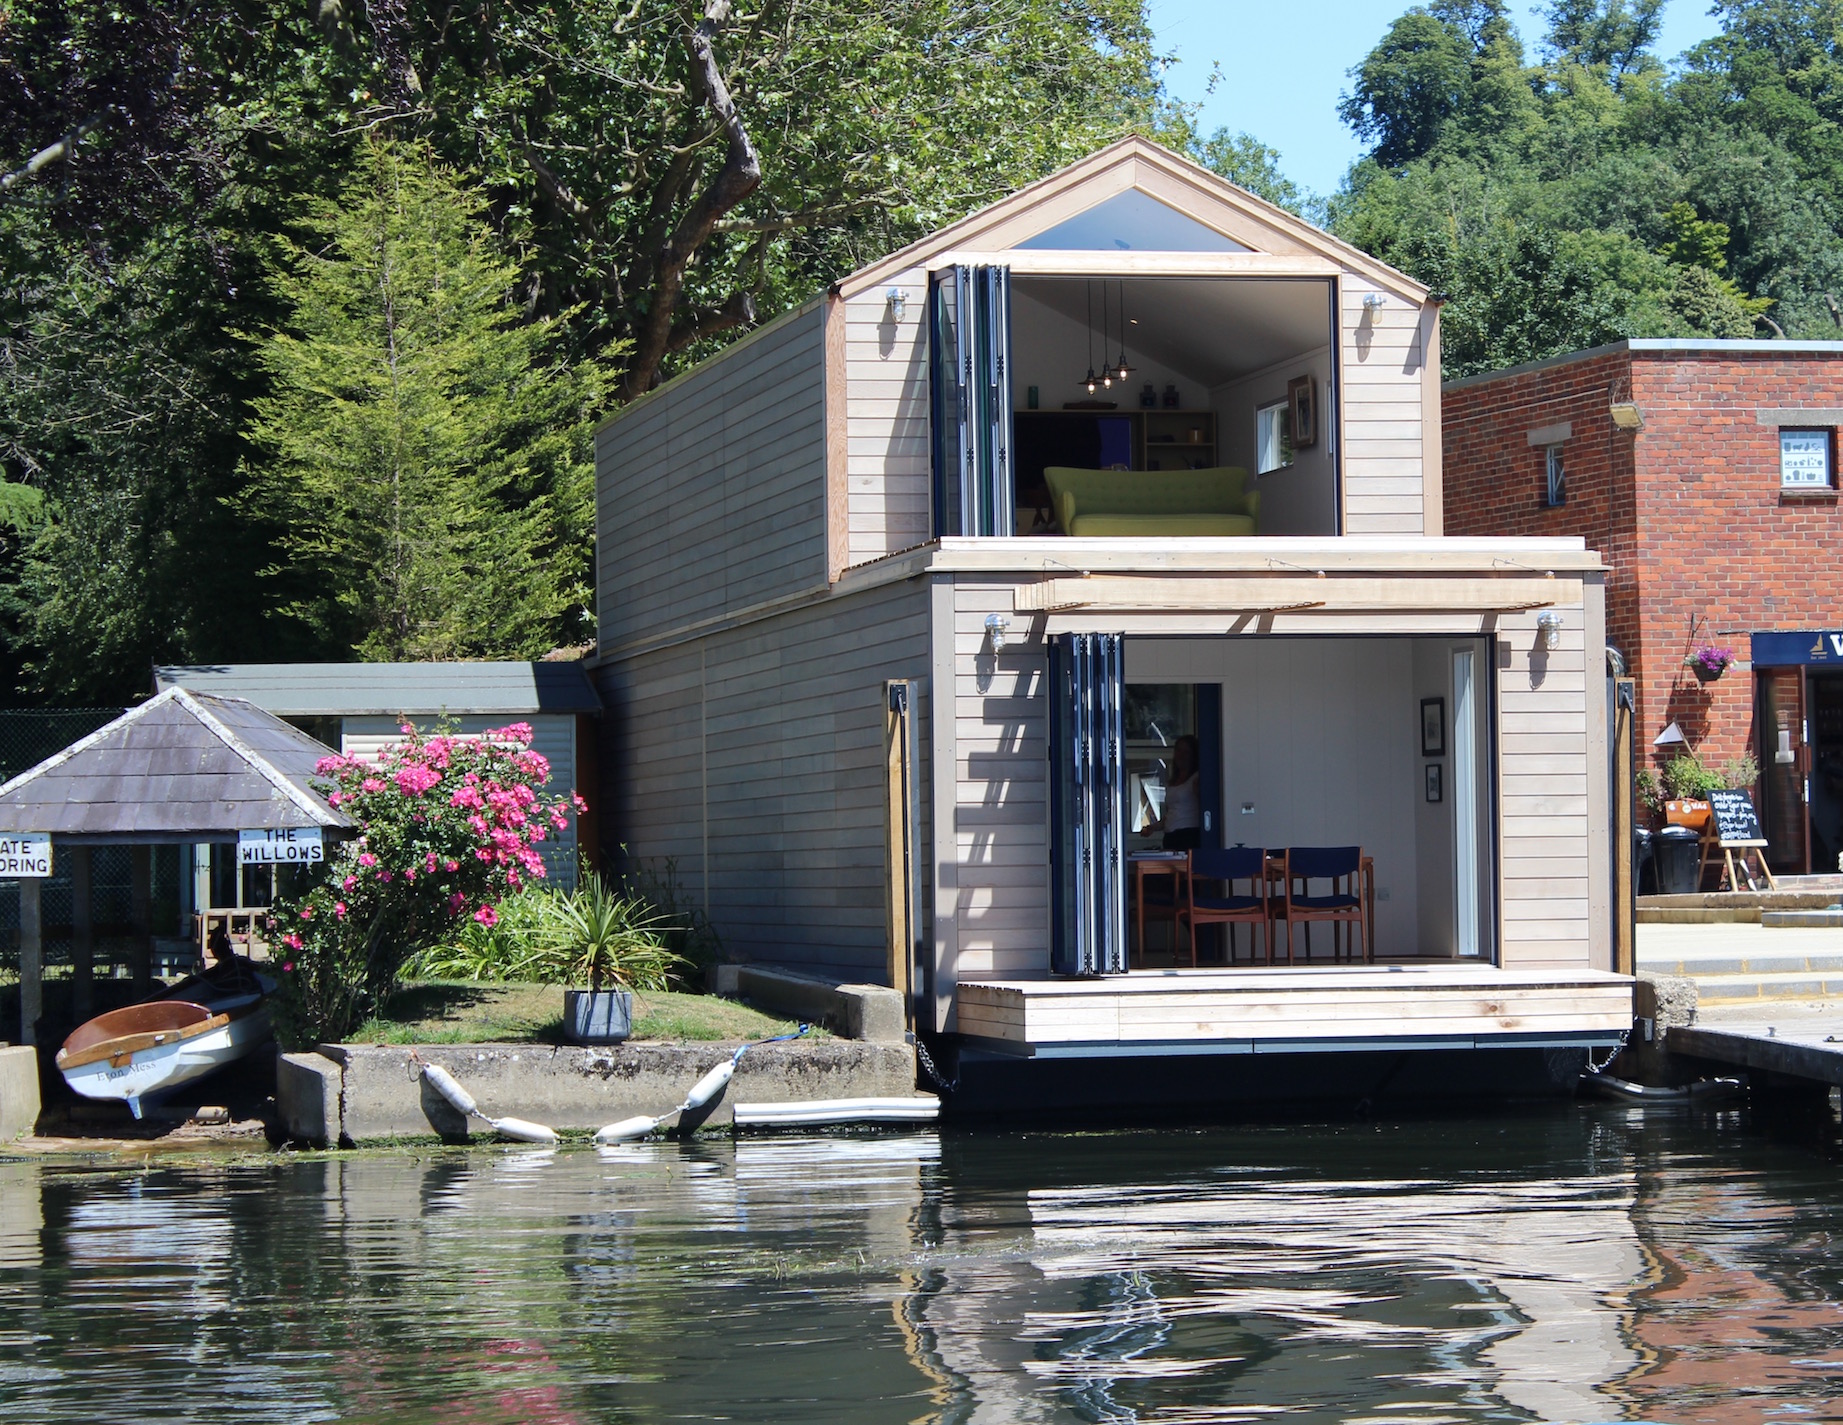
1706	675
597	1016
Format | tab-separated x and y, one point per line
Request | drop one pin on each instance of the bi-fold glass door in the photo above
1087	804
970	385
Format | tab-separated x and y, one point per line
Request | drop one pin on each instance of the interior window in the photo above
1273	437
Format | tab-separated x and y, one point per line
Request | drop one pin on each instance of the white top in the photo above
1183	805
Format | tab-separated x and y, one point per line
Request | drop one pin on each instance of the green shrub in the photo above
591	936
1740	772
1686	779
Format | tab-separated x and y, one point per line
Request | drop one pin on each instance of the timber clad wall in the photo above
890	456
1000	852
718	484
1688	512
754	758
1382	358
1551	725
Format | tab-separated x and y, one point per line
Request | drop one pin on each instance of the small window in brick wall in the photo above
1805	460
1555	487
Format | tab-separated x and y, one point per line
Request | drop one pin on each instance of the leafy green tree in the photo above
1243	159
425	453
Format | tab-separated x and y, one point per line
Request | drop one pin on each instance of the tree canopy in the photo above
1595	193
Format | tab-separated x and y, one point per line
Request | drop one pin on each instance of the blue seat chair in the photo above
1342	904
1219	903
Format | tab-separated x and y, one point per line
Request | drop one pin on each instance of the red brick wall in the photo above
1688	513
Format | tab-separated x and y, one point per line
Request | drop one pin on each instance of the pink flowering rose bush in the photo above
447	827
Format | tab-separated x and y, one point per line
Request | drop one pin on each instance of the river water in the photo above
1569	1264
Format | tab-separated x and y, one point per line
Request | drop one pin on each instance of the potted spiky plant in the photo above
612	942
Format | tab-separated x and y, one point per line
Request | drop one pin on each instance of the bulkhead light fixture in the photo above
1626	415
998	629
898	303
1550	624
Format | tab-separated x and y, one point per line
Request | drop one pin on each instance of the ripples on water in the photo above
1574	1266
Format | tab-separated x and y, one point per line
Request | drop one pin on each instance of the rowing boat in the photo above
144	1050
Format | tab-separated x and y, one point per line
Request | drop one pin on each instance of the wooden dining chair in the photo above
1342	866
1225	868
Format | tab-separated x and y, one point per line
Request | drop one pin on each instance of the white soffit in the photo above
1131	222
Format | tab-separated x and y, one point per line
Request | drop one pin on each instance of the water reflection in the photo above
1574	1266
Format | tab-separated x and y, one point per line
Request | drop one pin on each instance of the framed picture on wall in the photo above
1433	781
1302	400
1433	727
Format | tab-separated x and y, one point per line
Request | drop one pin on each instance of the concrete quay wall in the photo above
351	1094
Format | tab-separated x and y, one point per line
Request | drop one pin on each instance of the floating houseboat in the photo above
907	599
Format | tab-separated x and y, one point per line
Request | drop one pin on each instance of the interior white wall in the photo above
1321	740
1050	351
1302	498
1433	821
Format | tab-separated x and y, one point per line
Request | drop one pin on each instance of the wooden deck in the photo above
1302	1010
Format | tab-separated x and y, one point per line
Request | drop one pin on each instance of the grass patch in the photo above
455	1012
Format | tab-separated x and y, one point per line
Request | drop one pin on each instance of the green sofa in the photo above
1153	502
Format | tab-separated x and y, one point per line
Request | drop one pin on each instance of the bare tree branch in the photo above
54	153
693	327
739	176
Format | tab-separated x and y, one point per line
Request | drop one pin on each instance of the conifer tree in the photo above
425	455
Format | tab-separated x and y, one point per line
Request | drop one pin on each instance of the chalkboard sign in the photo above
1735	819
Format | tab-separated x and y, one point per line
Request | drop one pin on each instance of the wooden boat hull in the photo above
149	1049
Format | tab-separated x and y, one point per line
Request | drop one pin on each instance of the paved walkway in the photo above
1746	961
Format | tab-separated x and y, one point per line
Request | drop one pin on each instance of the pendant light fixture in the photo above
1121	370
1106	372
1091	383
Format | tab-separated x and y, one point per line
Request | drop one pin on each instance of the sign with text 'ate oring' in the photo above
25	855
295	846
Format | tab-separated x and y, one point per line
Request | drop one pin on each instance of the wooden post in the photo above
31	960
897	838
1625	899
141	908
82	935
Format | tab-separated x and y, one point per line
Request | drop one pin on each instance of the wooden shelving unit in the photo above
1176	440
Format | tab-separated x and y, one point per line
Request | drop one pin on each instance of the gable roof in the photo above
388	689
181	767
1136	163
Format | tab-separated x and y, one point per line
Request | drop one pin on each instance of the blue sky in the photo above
1284	66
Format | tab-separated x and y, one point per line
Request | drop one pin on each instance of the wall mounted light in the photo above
1626	415
1373	303
997	628
1550	624
898	302
1671	736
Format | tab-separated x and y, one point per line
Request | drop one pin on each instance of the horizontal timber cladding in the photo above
710	493
1384	356
753	758
889	460
1000	847
1552	793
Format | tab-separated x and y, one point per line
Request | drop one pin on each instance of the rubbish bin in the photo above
1679	860
1644	867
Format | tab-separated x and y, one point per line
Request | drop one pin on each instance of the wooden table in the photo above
1175	864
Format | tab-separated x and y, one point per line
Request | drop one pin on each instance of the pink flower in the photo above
307	912
339	909
348	883
407	729
386	876
513	880
581	805
414	780
429	861
371	784
365	858
487	916
456	903
451	865
287	967
292	941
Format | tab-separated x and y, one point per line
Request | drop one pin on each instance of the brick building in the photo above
1705	472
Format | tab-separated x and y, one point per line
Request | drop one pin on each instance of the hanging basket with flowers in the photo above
1709	662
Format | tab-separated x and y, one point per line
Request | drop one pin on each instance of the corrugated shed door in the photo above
554	736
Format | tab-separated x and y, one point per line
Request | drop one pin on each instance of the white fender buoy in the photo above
627	1128
444	1083
708	1087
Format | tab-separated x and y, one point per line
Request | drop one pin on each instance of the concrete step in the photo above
1698	915
1749	961
1747	989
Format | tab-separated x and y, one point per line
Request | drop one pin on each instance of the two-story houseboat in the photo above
907	598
